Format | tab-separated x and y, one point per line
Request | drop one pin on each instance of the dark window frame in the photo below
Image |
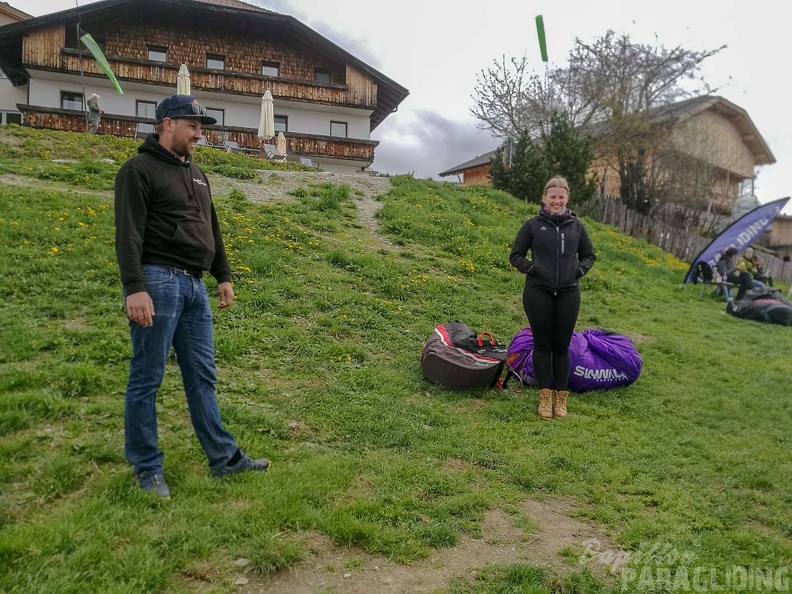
216	58
346	129
275	65
139	102
284	120
72	97
157	49
320	74
212	111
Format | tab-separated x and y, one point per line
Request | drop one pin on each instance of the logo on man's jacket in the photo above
200	182
542	228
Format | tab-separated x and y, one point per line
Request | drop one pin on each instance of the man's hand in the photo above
140	309
226	293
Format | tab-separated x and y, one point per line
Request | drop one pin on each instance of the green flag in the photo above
541	34
101	60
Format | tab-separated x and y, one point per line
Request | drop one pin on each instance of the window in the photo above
281	124
216	62
322	76
338	129
146	109
71	100
270	69
72	42
218	114
158	54
11	118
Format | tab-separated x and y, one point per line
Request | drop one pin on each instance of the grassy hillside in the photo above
318	369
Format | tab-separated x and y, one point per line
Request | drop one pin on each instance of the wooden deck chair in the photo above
232	146
272	153
142	129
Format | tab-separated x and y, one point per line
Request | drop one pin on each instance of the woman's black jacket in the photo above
561	251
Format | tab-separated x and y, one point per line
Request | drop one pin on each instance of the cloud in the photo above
425	143
347	38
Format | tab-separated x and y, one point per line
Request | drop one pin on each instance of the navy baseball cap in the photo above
182	106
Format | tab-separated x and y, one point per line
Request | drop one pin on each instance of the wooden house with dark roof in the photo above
709	128
326	100
473	172
714	131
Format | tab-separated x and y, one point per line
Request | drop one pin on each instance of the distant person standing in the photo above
167	235
94	113
561	253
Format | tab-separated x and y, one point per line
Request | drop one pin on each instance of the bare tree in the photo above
610	87
510	100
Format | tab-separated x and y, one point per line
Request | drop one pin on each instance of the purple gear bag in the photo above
599	360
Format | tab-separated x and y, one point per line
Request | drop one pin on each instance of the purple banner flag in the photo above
740	234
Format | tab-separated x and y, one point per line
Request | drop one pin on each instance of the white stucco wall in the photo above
46	92
305	121
11	95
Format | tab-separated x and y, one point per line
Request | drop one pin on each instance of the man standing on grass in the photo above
167	235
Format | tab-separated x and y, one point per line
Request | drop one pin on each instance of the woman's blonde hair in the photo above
557	181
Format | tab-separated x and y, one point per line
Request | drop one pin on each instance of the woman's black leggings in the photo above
552	319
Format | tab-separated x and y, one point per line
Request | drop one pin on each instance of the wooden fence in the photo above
685	246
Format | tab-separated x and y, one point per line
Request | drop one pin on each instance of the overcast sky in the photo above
436	48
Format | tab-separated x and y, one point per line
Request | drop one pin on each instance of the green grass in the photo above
319	370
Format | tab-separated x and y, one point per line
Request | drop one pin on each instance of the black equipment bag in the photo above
763	305
456	357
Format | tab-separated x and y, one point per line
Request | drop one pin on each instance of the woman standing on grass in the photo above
561	253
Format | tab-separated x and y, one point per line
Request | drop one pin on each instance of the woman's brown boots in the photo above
559	410
547	408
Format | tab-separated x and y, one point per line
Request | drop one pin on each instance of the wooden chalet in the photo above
326	100
714	131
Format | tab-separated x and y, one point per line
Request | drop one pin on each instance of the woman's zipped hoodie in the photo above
561	251
164	215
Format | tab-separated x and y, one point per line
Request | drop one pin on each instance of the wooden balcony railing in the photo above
237	83
298	145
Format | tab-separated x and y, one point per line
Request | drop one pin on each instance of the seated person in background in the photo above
755	265
748	264
735	273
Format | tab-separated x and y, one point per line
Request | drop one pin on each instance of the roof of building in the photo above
197	15
14	13
235	4
687	108
475	162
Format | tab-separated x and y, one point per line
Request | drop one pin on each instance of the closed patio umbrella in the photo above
183	81
266	129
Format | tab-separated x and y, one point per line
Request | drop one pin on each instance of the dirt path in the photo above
273	184
351	571
278	184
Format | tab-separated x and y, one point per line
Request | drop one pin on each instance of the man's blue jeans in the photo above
182	318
